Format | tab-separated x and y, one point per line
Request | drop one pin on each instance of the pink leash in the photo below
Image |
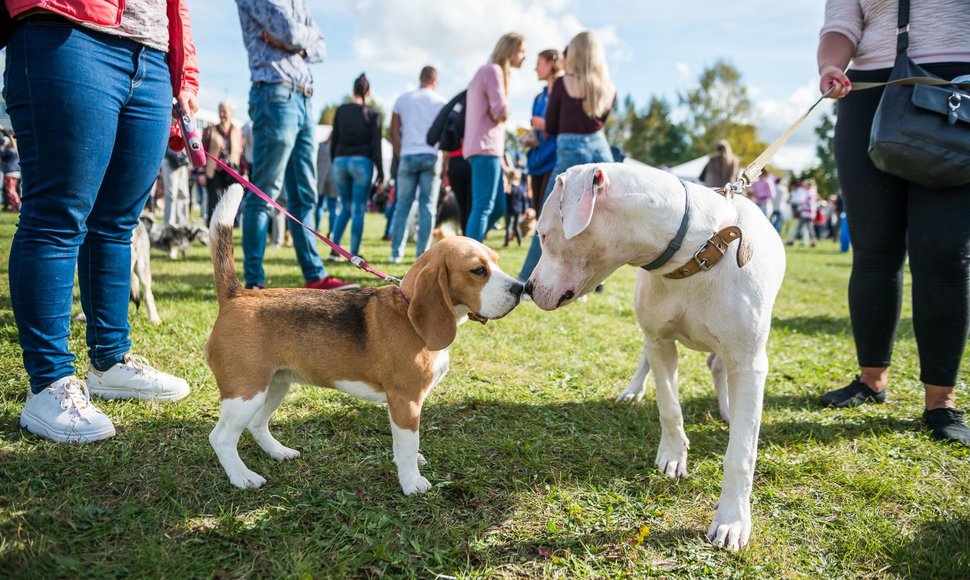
355	260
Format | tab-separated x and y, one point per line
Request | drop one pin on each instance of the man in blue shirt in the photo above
281	39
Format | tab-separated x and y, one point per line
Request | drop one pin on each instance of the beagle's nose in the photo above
529	287
516	289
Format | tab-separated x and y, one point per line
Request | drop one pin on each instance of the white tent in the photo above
690	170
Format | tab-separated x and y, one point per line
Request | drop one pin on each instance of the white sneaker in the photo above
63	412
133	378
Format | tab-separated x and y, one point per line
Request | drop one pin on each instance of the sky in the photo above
653	48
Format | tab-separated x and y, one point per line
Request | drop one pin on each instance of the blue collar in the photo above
675	243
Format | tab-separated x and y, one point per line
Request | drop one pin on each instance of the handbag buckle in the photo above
954	102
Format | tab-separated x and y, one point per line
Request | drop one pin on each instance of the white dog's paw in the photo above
415	484
729	533
282	453
245	479
155	320
422	460
632	394
672	458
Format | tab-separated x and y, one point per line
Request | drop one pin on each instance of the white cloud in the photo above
399	38
773	117
683	69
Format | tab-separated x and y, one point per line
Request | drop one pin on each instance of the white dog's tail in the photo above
220	242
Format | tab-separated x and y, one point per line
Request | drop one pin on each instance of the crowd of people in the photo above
82	198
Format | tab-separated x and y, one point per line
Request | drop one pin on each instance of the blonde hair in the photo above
586	61
506	48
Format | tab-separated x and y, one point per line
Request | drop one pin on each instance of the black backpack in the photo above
448	128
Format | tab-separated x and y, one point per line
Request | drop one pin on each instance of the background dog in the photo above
175	240
600	217
447	222
384	344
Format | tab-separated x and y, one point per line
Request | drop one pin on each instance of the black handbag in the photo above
921	131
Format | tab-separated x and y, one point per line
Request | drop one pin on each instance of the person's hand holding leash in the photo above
834	78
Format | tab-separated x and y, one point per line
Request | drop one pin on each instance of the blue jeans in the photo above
91	113
284	158
571	149
354	175
486	191
414	171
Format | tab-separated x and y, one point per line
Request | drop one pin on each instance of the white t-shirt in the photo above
417	110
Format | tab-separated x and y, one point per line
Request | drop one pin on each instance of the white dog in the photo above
687	296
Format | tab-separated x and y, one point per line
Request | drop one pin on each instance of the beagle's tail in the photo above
220	242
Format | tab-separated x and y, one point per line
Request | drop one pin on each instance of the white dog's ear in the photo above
576	207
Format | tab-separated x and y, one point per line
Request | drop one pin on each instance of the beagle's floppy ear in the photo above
576	207
430	310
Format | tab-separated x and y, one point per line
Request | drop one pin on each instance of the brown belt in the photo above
305	90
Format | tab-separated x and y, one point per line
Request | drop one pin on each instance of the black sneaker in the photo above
948	425
852	395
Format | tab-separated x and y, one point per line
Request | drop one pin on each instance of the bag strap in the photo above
902	27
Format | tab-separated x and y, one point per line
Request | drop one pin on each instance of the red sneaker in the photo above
331	283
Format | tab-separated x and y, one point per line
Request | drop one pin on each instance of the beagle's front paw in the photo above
414	484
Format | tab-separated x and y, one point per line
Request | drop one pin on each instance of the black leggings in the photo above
889	217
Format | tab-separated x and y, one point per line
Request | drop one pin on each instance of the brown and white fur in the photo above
600	217
372	343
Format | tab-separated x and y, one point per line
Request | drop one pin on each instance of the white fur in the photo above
496	297
225	212
361	391
236	415
441	365
726	311
407	458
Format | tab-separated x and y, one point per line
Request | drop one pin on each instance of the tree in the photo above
648	135
824	173
827	175
721	109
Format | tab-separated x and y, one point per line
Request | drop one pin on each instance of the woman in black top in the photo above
355	146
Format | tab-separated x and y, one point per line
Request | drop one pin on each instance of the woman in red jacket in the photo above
89	89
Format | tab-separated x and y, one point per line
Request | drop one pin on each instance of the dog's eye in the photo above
480	271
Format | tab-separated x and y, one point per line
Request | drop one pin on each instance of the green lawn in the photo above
536	471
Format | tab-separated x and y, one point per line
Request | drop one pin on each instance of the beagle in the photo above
383	344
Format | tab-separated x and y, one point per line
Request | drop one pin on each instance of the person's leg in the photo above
104	262
486	179
301	194
363	174
276	122
331	213
168	183
939	246
44	95
345	188
429	184
212	195
407	184
498	209
876	206
180	195
460	175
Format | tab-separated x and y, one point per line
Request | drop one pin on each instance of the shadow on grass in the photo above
938	549
831	326
156	493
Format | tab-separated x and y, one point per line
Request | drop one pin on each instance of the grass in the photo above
536	471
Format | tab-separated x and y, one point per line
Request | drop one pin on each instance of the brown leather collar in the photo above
708	255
